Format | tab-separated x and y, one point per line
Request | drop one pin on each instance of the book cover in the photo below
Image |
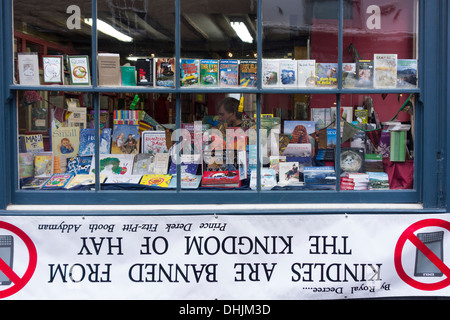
229	73
331	138
321	117
109	69
352	160
154	142
320	176
128	75
209	73
326	75
188	181
32	143
306	70
164	72
57	181
221	179
130	178
65	141
190	72
156	180
364	73
248	73
143	164
268	179
288	73
298	150
110	164
398	146
79	70
289	174
407	73
185	168
79	165
87	141
77	117
349	75
26	165
299	127
83	180
35	183
378	180
28	68
270	72
125	139
53	69
385	71
144	70
43	164
161	163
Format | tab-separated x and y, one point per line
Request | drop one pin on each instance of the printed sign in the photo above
208	257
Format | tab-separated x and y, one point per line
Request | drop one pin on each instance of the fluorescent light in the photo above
242	31
109	30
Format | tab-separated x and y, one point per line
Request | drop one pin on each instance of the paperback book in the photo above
221	179
209	73
364	73
144	70
79	70
65	141
57	181
80	180
109	69
164	72
306	73
270	72
326	75
128	75
229	73
407	73
28	68
288	73
156	180
248	73
385	71
125	139
190	72
53	69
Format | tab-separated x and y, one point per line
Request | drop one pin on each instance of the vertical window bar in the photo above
177	86
258	95
337	159
96	95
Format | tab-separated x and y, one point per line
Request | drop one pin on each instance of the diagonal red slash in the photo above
9	272
429	254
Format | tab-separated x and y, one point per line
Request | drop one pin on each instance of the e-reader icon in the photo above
6	254
424	267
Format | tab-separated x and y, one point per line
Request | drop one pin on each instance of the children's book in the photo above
407	73
87	141
120	164
270	72
229	73
65	141
209	73
156	180
26	166
164	72
83	180
28	68
53	69
326	75
364	73
221	179
268	179
79	70
161	163
58	181
306	70
349	75
125	139
128	75
35	183
385	71
144	71
154	142
31	143
79	165
130	178
190	72
248	73
288	73
188	181
144	163
43	164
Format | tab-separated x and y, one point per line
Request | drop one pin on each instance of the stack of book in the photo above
355	181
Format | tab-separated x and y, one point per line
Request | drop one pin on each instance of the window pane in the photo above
377	142
380	48
300	44
51	28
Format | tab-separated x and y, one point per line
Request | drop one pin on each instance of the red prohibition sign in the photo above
19	282
408	234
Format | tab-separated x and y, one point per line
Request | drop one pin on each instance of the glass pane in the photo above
294	144
377	142
220	136
55	137
53	30
380	45
300	44
136	43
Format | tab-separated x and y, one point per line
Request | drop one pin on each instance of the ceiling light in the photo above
109	30
242	31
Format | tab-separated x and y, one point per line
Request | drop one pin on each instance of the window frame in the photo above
427	183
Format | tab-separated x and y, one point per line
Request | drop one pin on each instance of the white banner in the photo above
204	257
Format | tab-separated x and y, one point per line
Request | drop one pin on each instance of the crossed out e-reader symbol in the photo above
7	274
439	265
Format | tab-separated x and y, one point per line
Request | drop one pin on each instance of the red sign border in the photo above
31	264
399	248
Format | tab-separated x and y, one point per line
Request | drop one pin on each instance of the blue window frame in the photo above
430	117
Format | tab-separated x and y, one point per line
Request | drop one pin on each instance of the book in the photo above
65	141
229	73
79	70
35	183
209	73
109	69
398	146
349	75
28	68
32	143
156	180
268	179
331	138
53	69
128	75
352	160
120	164
364	73
129	178
298	150
361	115
161	163
270	72
288	73
144	70
248	73
43	164
373	162
143	164
77	117
321	117
378	180
324	177
87	141
306	70
407	73
26	165
125	139
296	125
221	179
384	71
83	180
188	181
274	162
57	181
190	72
79	165
164	72
153	142
326	75
360	180
185	168
289	174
